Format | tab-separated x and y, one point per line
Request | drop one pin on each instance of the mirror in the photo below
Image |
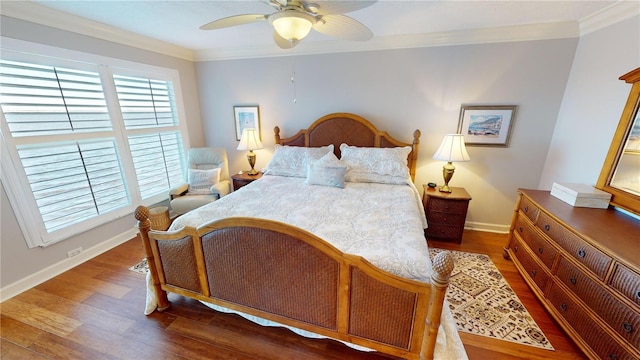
620	175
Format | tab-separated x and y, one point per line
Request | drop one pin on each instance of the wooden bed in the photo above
338	295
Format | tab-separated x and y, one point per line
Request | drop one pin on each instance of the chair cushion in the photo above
201	181
183	204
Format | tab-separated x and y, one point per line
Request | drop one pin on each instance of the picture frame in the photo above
246	117
487	125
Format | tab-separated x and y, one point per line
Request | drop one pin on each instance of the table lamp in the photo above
451	149
250	140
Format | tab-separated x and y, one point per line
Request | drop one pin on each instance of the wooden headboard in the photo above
351	129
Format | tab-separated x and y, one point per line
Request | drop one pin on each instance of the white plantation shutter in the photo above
149	113
60	141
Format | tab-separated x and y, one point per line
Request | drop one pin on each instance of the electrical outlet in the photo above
74	252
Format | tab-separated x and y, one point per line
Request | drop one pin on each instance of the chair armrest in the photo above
178	190
222	188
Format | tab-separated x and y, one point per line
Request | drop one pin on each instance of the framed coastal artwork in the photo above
246	117
488	125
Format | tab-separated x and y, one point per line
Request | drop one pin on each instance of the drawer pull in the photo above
533	272
526	209
573	280
627	327
638	294
564	307
582	253
515	249
547	227
540	250
613	357
521	229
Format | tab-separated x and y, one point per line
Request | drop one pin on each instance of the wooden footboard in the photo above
285	274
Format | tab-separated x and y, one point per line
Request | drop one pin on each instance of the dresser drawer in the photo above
601	342
586	254
538	244
531	267
528	208
614	312
627	282
448	206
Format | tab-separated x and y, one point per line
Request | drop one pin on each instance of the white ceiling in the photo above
176	22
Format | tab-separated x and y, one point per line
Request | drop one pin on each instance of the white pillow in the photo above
201	181
293	160
327	171
380	165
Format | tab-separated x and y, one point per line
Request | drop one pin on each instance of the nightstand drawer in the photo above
442	231
436	217
448	206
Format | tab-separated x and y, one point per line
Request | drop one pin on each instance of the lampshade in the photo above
292	25
250	140
452	149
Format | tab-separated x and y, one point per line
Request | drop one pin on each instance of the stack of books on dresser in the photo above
581	195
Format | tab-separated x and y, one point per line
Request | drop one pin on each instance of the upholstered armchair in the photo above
208	180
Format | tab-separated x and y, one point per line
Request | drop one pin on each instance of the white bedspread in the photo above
382	223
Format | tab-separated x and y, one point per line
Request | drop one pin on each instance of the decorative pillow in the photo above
327	171
293	160
201	181
380	165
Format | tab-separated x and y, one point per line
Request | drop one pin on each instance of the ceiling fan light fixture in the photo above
292	25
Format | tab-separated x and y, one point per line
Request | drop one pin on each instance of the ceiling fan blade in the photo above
233	21
284	43
336	7
343	27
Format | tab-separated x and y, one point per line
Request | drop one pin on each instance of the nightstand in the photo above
240	180
446	213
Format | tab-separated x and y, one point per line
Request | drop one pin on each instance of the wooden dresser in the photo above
584	266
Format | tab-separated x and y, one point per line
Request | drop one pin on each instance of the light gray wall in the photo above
17	261
403	90
592	104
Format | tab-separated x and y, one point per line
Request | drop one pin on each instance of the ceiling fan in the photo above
294	19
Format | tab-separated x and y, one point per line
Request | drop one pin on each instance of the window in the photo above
74	156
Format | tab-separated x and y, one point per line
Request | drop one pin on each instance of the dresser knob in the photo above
515	249
638	294
627	327
573	280
526	209
613	357
582	253
540	250
547	227
521	229
533	272
563	307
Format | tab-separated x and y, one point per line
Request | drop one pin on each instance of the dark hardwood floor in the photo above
95	311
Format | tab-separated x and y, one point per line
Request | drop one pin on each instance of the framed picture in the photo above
487	125
246	117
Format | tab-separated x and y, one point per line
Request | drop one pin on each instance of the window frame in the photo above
13	175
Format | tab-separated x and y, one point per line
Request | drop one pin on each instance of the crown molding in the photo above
32	12
463	37
610	15
35	13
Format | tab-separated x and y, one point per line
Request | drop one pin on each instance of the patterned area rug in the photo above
482	302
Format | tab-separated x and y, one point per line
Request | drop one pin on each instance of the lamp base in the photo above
253	172
447	174
251	156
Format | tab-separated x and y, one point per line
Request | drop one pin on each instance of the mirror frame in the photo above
621	198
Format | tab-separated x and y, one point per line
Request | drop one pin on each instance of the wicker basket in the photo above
159	217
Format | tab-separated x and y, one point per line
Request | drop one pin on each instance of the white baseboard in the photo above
54	270
494	228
